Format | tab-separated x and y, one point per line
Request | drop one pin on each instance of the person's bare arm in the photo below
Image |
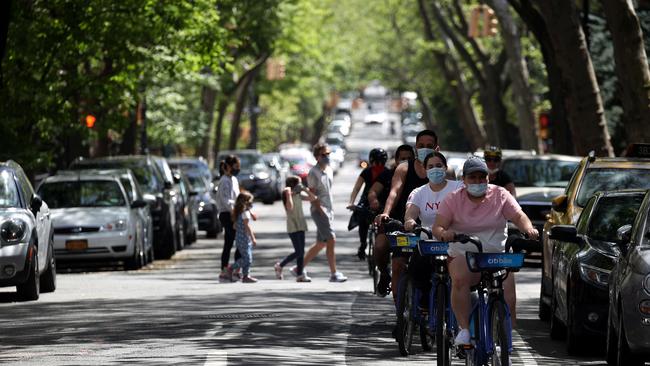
412	213
373	193
355	191
395	190
288	201
525	226
250	231
440	228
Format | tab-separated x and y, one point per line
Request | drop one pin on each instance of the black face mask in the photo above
234	171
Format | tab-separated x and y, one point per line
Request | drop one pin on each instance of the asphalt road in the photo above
176	312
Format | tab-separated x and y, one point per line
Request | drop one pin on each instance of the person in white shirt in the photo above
227	193
423	202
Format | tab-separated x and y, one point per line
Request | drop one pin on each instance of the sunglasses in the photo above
495	160
325	154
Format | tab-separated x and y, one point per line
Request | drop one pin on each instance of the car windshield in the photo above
147	180
609	179
84	193
198	183
8	190
539	172
611	213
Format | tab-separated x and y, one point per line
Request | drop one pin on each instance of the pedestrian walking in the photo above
292	197
244	237
227	192
319	181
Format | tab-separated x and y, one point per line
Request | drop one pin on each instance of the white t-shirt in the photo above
428	201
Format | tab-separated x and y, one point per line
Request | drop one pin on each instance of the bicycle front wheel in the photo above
499	330
371	253
443	348
405	321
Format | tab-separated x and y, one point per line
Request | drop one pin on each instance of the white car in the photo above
94	219
340	126
376	118
26	253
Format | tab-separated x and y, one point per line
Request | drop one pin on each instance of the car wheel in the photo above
612	342
180	238
625	355
543	310
214	228
30	289
137	261
574	340
168	249
48	279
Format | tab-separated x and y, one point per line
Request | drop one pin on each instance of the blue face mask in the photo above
436	175
477	190
325	160
423	152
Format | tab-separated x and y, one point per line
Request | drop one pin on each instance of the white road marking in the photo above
522	350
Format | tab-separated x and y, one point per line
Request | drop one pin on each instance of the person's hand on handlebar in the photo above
410	224
350	206
379	219
447	235
532	233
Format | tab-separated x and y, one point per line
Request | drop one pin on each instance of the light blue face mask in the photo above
477	190
423	152
436	175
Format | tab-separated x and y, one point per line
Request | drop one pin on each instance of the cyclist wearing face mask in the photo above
483	210
407	177
423	202
492	156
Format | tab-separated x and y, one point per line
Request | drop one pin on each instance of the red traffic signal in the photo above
90	121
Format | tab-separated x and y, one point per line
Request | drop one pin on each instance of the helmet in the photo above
378	155
492	152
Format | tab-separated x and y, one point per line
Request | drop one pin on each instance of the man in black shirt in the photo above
496	176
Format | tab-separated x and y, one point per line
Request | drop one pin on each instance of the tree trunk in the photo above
319	124
495	112
427	113
583	100
221	113
130	135
519	75
253	112
208	100
240	95
560	134
631	67
5	17
467	116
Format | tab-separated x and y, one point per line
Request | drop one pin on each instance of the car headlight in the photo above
117	225
646	284
594	275
263	175
13	231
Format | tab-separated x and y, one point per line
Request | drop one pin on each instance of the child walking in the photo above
244	237
292	197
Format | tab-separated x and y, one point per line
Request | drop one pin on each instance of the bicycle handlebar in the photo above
391	225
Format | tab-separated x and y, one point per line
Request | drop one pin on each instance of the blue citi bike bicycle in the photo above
436	321
490	321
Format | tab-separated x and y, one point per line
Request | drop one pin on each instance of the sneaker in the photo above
278	271
383	286
226	274
303	278
338	277
294	271
236	275
462	338
248	279
361	253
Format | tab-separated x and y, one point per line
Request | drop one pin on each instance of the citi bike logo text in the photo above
499	261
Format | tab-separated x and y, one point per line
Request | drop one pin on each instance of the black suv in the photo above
158	189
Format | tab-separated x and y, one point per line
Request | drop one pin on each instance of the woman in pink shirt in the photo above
483	210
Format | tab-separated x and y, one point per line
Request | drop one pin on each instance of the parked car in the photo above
341	126
378	118
592	175
628	343
189	203
206	209
27	258
94	219
538	179
583	256
159	192
254	175
337	157
187	164
300	160
133	192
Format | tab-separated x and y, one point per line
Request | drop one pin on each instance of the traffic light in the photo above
90	121
275	69
544	124
483	22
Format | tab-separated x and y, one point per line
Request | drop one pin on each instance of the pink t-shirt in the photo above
487	219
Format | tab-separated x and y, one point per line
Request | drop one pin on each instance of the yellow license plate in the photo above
76	244
402	241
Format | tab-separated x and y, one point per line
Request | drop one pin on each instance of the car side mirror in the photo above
35	204
624	234
168	185
177	178
559	203
194	193
564	233
139	204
